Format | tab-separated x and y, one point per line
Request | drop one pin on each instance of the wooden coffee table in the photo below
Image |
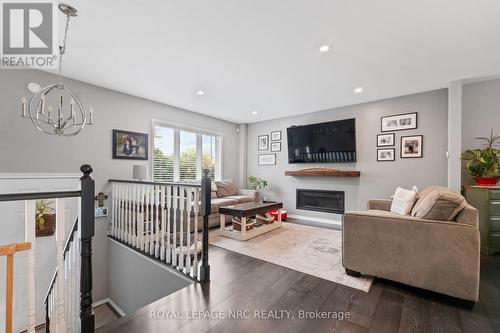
244	211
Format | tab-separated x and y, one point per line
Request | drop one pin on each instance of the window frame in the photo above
199	143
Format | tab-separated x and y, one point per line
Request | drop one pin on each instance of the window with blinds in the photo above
181	154
164	154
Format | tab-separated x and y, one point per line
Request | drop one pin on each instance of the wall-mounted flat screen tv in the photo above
331	142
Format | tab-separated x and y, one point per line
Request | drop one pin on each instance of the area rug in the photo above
310	250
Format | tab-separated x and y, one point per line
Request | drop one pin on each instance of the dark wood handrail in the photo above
39	195
154	183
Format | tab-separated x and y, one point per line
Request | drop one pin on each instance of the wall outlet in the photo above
101	211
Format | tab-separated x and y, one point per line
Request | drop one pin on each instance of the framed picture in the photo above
276	136
263	142
386	140
412	146
267	159
399	122
386	155
130	145
275	146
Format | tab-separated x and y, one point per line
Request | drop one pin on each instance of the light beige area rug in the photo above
310	250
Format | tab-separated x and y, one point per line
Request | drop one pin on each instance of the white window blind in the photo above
209	154
181	154
187	161
164	154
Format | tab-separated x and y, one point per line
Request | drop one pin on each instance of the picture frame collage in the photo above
411	146
274	145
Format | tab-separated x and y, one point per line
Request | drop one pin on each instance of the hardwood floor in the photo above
243	283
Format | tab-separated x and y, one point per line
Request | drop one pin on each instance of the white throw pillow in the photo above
403	201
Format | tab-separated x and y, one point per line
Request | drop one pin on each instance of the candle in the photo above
50	112
23	102
43	105
91	114
73	109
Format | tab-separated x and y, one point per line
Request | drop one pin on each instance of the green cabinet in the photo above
487	200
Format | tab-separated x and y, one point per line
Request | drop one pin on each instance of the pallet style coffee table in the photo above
244	211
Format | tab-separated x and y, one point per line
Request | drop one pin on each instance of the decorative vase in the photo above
486	181
49	226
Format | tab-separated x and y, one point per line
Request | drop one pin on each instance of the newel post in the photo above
87	233
206	187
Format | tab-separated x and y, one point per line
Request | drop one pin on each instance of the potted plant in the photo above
257	184
484	164
45	218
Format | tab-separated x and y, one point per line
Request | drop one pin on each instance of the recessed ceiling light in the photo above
324	48
200	92
358	90
254	112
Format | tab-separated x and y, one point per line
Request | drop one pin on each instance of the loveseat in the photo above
226	193
421	251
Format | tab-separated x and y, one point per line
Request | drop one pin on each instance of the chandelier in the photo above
62	122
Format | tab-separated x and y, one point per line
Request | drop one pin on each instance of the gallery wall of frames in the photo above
410	146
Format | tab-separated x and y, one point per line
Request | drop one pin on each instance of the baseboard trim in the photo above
334	221
112	303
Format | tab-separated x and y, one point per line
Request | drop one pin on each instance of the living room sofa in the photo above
226	193
441	256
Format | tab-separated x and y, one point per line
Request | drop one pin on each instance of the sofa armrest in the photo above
249	193
380	204
442	256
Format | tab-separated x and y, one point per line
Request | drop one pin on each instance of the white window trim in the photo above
199	137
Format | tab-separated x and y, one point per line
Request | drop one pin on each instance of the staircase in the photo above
68	302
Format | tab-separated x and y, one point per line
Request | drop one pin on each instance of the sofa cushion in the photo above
241	198
403	201
218	202
438	203
226	188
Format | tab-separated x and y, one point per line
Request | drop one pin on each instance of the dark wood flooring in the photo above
243	283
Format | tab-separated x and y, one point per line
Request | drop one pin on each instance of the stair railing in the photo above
165	221
60	308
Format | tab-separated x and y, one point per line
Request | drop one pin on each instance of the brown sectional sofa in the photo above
442	256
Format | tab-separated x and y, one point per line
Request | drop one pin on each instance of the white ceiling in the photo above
263	54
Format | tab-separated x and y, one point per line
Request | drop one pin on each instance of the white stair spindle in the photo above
29	223
134	215
141	220
146	223
163	217
113	209
169	219
189	202
175	200
126	207
60	240
196	208
152	221
182	212
122	212
157	222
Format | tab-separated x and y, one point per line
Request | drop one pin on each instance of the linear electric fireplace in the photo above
321	200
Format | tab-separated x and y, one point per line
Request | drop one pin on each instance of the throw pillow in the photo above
403	201
226	188
438	203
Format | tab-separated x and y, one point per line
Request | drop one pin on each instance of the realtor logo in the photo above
28	34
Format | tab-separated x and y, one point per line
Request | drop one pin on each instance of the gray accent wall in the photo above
23	149
135	281
378	179
481	114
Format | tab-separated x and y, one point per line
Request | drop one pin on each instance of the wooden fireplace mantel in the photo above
322	172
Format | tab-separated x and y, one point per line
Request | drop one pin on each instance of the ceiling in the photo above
263	55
